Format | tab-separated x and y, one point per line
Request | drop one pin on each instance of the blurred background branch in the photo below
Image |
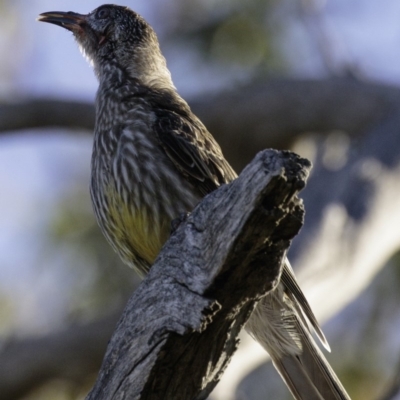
275	113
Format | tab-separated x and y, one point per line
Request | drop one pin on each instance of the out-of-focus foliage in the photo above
234	34
12	39
62	390
7	309
107	283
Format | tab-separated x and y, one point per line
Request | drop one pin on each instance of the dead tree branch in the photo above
180	327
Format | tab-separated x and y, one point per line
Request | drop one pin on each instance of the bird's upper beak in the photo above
68	20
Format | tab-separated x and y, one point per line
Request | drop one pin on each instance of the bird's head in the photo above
115	35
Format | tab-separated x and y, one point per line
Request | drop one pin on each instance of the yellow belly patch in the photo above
137	232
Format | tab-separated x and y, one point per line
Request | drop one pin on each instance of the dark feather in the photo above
189	145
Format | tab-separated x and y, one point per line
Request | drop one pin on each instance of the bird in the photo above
153	160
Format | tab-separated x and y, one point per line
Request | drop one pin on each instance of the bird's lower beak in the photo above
68	20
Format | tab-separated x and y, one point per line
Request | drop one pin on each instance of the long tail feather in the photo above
309	375
280	323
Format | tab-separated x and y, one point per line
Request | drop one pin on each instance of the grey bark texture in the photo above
180	328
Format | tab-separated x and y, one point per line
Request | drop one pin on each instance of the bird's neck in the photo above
123	93
148	69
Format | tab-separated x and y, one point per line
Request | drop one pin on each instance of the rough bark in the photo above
180	327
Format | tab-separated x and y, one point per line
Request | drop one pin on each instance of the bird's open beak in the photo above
68	20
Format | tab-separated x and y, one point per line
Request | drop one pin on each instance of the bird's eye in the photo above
103	13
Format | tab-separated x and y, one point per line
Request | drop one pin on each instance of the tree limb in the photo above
180	327
268	114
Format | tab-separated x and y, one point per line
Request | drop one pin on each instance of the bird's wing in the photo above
193	150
